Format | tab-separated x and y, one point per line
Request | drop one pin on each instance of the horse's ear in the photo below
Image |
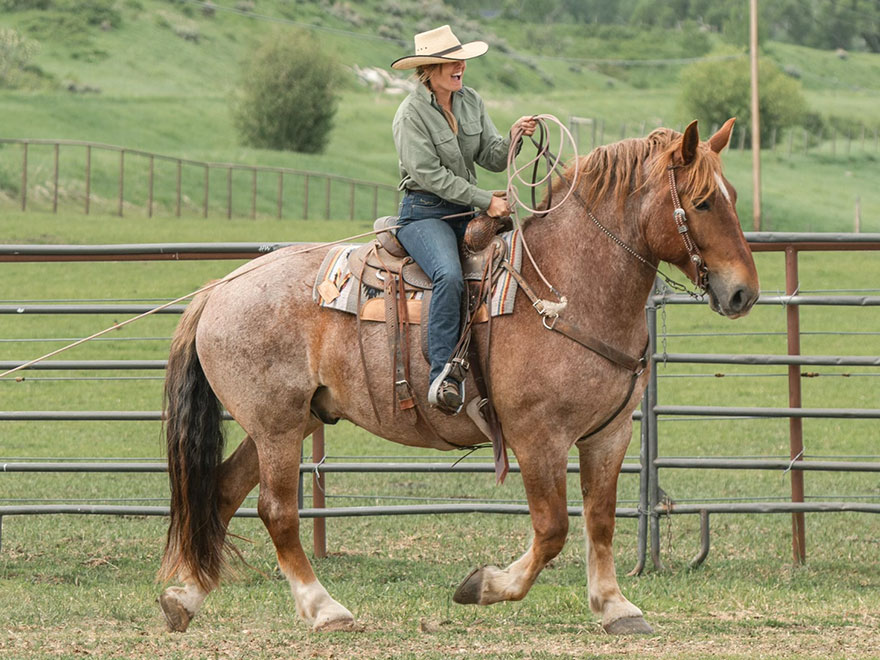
689	142
721	139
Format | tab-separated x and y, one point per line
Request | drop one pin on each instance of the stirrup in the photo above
447	391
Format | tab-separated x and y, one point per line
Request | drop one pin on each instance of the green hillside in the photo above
158	76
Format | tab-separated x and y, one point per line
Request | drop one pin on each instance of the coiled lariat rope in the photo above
231	276
514	176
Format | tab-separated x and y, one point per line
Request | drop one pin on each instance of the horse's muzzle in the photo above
731	297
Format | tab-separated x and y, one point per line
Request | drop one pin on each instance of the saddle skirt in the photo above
350	273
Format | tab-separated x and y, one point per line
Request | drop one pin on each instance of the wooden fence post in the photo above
229	193
121	179
150	188
88	177
207	187
55	180
306	198
179	186
254	194
280	193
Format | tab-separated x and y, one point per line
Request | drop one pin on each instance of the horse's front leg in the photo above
543	473
600	462
238	474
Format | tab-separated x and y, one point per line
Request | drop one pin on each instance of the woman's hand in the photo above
498	207
526	124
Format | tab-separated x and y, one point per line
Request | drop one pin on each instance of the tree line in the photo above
824	24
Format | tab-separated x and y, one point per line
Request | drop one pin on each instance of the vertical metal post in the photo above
55	180
24	177
150	187
280	194
121	179
795	424
642	539
207	188
179	186
88	177
320	524
651	420
254	194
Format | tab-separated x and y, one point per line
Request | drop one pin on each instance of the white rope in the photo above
232	276
514	174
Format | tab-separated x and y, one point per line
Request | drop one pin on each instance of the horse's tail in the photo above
194	437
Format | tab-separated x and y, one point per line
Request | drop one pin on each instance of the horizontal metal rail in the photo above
716	463
809	360
304	468
724	411
767	507
338	512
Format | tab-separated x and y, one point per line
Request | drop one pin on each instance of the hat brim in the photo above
465	52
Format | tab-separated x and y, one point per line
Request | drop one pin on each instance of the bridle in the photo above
701	277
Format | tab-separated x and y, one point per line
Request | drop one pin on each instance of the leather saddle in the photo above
372	262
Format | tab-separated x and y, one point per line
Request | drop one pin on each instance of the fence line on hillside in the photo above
652	505
266	190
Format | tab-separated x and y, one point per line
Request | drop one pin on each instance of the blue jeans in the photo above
433	244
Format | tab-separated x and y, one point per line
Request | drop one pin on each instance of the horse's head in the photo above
701	234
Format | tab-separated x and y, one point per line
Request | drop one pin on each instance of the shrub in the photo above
712	92
15	53
287	98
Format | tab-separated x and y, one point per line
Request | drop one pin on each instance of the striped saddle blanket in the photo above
338	285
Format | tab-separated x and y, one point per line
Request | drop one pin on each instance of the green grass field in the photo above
83	586
77	585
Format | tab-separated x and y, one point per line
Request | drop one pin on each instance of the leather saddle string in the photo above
360	336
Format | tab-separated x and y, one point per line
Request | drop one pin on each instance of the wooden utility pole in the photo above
756	118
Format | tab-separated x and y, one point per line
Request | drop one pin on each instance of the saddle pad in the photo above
336	287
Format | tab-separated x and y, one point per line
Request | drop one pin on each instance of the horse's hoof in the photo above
629	625
334	625
470	589
177	617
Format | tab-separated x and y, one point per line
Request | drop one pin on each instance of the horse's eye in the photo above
702	206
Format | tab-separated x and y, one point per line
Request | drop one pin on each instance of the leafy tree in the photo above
712	92
287	98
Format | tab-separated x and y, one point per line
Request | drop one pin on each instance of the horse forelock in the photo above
612	172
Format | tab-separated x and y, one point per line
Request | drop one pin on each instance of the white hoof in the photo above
177	617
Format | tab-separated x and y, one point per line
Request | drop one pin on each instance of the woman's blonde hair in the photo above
424	75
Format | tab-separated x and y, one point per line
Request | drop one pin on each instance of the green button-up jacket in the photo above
436	160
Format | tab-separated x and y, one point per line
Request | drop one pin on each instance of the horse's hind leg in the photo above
279	472
237	476
600	462
543	474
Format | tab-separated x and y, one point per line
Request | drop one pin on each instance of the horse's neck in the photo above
604	284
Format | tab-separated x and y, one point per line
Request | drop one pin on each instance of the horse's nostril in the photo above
739	300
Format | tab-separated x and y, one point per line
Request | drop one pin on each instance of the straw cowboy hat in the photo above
438	46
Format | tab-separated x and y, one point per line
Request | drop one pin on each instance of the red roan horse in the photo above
259	345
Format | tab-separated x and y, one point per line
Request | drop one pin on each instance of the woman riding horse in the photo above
440	130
